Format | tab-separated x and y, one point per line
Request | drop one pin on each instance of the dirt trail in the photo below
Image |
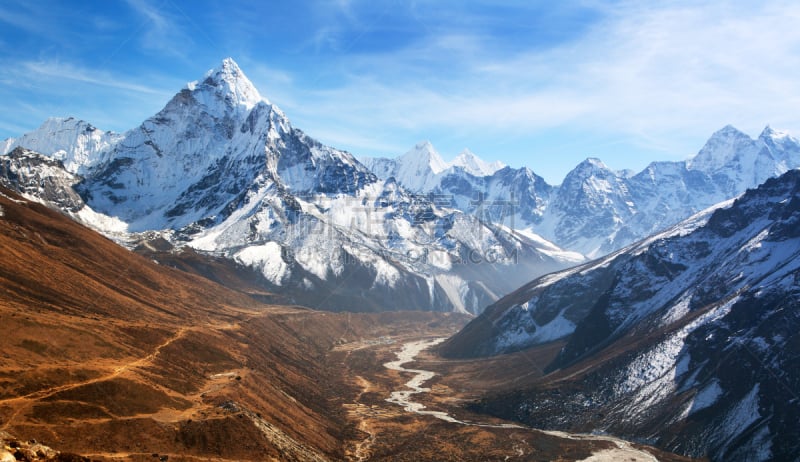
23	403
118	370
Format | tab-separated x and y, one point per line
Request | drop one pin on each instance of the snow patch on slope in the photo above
661	361
739	418
268	258
110	226
520	333
706	397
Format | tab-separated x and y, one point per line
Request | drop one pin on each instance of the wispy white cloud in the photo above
59	70
23	20
696	61
46	88
12	127
162	30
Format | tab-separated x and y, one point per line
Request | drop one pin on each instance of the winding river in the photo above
409	352
403	397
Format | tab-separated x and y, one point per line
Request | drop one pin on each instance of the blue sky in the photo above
529	83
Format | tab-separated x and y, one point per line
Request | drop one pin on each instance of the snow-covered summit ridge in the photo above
721	149
474	165
590	166
417	170
422	168
423	156
770	132
730	146
228	83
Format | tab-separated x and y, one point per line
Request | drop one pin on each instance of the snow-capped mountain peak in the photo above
228	83
737	162
779	141
417	169
770	132
76	143
423	156
590	170
474	165
721	149
592	164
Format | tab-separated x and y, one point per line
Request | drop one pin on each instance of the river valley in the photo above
406	411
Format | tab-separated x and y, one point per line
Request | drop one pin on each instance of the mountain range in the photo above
221	170
596	210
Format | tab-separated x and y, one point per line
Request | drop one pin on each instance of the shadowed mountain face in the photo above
688	339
